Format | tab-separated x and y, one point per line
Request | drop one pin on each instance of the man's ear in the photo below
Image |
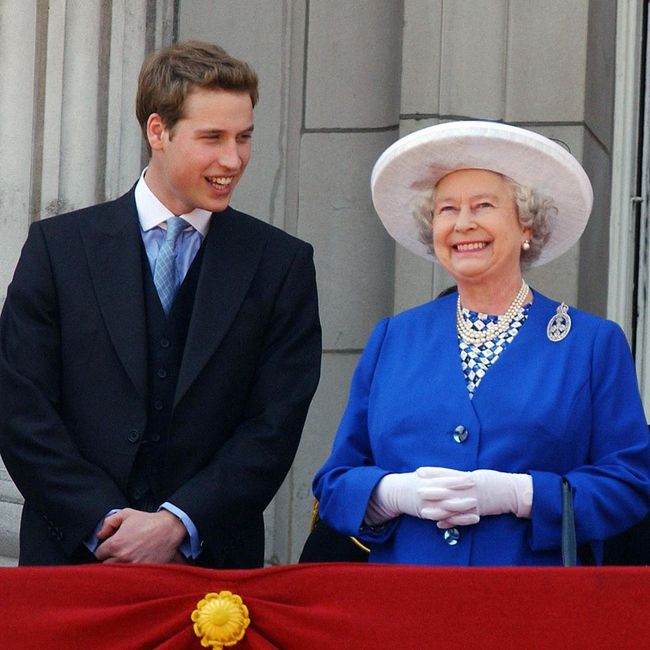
155	131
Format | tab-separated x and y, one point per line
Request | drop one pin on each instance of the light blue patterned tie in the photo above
164	275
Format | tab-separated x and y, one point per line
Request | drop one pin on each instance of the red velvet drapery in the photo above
314	607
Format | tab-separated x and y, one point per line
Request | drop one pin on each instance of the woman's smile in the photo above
470	247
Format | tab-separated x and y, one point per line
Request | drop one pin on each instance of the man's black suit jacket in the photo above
73	379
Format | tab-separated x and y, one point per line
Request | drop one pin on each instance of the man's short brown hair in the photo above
170	74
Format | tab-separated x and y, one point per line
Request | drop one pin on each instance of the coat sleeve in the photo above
248	469
612	491
70	493
344	484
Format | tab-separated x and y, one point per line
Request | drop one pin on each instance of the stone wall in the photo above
340	81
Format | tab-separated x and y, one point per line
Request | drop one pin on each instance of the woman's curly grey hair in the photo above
533	210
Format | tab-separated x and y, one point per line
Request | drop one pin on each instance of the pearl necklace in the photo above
492	329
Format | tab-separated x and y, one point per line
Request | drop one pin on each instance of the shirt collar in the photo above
152	213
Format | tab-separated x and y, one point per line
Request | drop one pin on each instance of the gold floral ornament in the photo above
220	620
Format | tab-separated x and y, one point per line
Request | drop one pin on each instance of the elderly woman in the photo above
466	413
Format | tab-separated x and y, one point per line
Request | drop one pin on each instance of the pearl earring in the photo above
525	245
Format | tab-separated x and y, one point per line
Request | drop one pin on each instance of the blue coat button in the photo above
460	434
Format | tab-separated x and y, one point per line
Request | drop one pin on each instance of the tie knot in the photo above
175	225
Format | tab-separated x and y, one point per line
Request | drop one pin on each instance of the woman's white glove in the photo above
450	497
422	495
495	492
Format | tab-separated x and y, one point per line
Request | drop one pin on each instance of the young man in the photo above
155	373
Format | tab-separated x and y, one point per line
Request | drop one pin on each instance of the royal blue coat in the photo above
551	409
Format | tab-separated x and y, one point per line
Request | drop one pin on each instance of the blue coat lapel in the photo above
513	366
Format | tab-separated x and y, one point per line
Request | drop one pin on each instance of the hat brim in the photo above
413	165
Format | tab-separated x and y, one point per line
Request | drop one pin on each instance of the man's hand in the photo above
134	536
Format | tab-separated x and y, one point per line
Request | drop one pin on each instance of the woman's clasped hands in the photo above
450	497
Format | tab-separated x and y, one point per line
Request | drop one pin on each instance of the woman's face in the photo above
476	231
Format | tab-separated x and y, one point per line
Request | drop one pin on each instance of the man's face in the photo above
198	163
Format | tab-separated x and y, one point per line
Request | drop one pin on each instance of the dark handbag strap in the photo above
569	547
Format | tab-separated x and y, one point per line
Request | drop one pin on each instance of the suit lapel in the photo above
231	256
113	247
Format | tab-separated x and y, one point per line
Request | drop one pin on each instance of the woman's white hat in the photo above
414	164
